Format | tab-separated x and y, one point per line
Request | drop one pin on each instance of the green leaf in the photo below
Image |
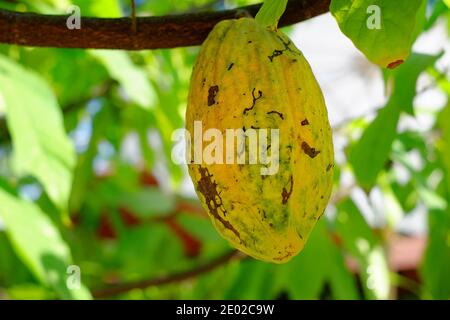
405	79
270	13
133	79
39	244
406	195
384	30
254	280
41	146
436	262
436	266
429	196
370	153
342	282
439	9
148	201
372	150
359	240
444	143
320	262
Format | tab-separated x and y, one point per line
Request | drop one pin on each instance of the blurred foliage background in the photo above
86	180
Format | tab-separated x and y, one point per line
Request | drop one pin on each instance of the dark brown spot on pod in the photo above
311	152
212	92
305	122
208	188
285	195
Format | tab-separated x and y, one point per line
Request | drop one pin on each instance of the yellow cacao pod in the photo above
249	77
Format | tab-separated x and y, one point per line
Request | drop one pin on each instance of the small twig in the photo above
173	278
133	17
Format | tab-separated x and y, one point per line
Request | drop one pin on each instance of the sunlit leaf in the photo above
254	281
384	30
444	143
370	153
437	256
39	244
41	146
320	262
359	240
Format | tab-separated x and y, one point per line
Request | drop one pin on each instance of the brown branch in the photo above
177	277
182	276
37	30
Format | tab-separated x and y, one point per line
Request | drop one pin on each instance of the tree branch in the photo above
177	277
37	30
182	276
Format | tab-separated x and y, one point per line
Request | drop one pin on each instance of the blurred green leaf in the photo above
406	195
98	8
444	143
404	79
436	265
58	67
12	270
202	228
429	196
84	171
148	201
133	79
41	146
361	243
384	30
28	292
369	154
439	8
320	262
148	250
39	244
254	280
436	261
413	141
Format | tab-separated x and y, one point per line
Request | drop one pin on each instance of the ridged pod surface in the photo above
245	77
